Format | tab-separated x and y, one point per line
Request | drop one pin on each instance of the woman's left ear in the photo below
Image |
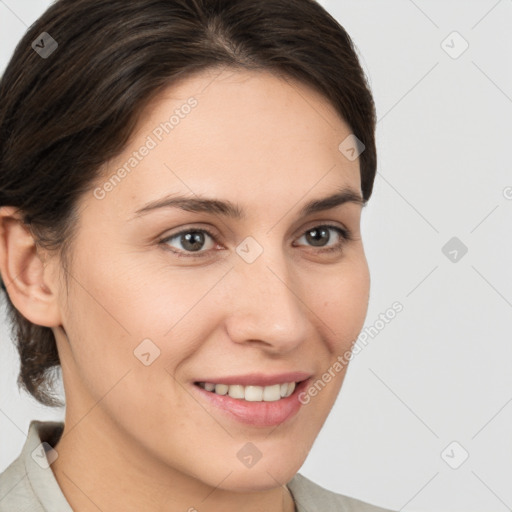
29	281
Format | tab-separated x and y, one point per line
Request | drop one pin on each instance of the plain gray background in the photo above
433	385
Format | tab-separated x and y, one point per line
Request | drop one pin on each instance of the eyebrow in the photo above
233	210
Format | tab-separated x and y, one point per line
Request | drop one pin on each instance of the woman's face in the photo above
150	311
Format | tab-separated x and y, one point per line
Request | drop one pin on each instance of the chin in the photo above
253	480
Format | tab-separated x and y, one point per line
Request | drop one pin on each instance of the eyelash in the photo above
345	234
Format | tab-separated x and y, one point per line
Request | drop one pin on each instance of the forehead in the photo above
252	136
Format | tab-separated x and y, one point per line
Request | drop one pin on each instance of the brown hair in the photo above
64	114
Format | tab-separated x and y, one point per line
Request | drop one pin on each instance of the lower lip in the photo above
261	414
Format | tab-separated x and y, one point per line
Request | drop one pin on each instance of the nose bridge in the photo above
265	305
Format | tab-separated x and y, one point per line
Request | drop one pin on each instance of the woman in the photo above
181	190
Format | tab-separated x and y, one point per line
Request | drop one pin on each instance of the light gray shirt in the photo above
29	485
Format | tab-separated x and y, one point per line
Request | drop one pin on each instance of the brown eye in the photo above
319	236
191	241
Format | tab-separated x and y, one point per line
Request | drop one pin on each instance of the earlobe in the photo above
23	271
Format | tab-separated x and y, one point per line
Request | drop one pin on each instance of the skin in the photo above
135	438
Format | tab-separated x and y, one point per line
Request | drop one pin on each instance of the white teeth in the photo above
236	391
221	389
251	393
254	394
291	388
272	393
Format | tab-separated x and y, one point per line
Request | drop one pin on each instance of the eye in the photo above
319	235
192	240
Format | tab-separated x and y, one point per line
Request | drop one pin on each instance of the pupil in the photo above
318	233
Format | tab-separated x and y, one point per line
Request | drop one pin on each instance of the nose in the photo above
265	304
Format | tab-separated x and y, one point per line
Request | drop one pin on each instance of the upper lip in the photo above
259	379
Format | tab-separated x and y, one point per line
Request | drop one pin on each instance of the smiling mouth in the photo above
257	406
272	393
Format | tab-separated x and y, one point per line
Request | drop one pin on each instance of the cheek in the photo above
133	306
136	294
340	300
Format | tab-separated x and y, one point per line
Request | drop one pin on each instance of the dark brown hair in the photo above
63	116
